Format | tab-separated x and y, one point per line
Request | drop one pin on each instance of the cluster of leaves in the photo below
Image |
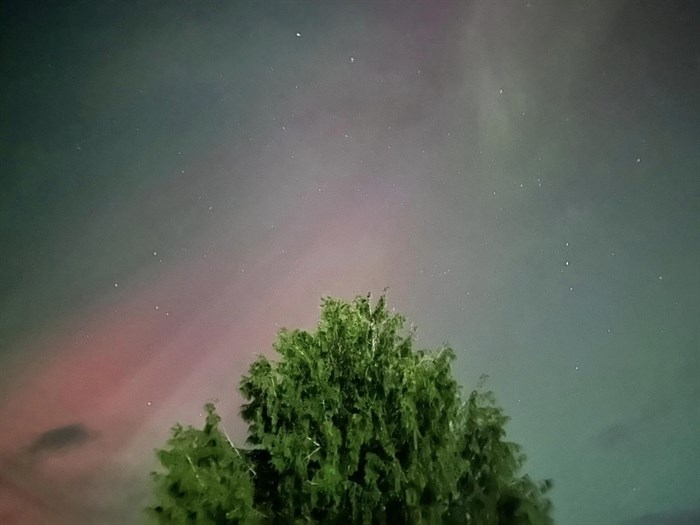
207	480
352	425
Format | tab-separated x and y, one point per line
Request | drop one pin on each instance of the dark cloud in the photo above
674	517
615	434
60	438
623	432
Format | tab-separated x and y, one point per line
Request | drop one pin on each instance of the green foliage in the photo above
352	425
207	479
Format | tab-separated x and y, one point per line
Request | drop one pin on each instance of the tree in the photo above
352	425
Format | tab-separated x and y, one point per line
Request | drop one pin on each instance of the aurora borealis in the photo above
180	179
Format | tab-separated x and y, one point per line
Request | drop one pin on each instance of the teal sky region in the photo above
181	179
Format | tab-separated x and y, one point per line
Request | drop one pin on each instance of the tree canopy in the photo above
351	425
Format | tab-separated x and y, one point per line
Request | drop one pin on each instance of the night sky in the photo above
181	179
